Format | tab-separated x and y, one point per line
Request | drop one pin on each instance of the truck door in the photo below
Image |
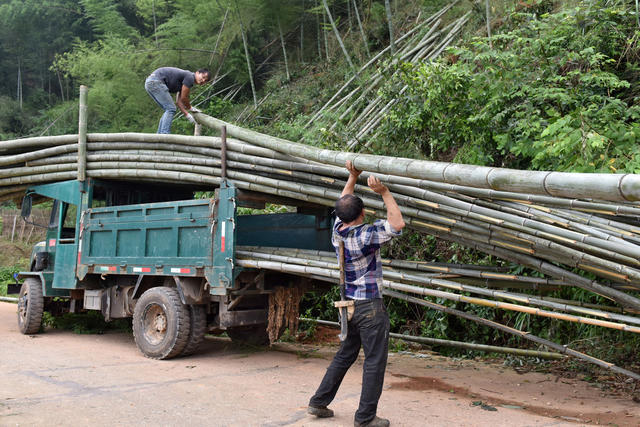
64	270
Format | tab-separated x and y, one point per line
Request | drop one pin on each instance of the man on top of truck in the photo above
369	326
166	80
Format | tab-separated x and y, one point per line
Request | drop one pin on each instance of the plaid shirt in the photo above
362	262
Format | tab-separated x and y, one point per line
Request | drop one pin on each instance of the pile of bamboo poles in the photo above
578	230
359	105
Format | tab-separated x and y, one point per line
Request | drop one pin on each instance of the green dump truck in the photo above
155	254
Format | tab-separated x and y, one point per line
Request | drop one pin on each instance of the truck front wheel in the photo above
30	306
161	323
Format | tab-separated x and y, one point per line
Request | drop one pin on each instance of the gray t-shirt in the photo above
174	78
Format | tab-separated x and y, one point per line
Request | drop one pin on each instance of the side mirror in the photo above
26	207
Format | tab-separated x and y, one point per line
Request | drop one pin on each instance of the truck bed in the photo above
149	235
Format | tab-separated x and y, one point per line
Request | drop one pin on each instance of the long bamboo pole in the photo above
611	187
82	134
362	33
423	280
246	54
495	325
448	310
456	344
392	42
337	34
623	272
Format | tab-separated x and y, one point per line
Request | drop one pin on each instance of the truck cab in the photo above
155	254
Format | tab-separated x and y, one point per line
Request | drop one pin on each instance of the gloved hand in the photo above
195	110
190	118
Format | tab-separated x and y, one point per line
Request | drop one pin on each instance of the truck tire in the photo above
161	324
252	335
198	320
30	306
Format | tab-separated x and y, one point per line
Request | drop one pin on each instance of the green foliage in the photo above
153	13
91	322
112	70
106	18
270	208
319	304
6	274
556	93
31	33
12	121
6	277
61	119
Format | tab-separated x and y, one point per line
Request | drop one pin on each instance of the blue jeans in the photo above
368	328
160	93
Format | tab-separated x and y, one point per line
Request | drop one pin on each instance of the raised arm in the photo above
394	216
353	178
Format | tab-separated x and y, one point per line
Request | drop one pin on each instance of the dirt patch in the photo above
322	335
492	400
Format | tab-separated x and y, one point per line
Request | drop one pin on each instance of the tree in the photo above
31	33
106	18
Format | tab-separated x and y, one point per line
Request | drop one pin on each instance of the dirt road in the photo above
61	378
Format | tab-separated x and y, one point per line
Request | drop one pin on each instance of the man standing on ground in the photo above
166	80
369	326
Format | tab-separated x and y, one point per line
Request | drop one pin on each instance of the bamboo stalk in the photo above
82	134
307	268
423	280
8	146
371	61
246	54
337	34
495	325
456	344
284	50
484	225
392	42
550	344
625	272
364	37
560	184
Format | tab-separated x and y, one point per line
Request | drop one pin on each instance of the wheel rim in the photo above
154	324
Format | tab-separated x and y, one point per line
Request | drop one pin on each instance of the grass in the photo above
14	254
91	322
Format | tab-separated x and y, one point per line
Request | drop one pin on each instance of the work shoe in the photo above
320	411
374	422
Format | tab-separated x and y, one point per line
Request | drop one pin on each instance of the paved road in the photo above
61	378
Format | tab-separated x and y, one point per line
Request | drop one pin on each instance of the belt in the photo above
358	302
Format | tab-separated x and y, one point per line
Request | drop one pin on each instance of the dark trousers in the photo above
368	328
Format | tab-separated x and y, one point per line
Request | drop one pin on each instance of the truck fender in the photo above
191	290
139	290
38	274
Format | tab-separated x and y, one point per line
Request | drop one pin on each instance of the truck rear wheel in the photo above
30	306
198	320
161	323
